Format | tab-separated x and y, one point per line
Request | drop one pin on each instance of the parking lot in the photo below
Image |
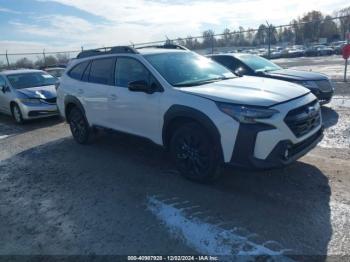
122	195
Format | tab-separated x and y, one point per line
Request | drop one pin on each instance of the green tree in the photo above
298	34
311	27
329	29
261	37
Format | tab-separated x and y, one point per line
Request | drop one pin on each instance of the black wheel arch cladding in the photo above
72	100
182	113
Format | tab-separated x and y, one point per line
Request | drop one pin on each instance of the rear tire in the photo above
79	127
195	154
17	114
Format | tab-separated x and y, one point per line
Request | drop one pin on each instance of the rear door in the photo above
98	78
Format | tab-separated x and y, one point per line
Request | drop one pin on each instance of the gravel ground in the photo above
121	195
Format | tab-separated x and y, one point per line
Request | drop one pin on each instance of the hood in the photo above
248	90
298	75
43	92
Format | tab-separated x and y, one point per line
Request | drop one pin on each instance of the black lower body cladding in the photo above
284	153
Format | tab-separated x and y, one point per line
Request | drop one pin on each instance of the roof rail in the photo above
165	46
107	51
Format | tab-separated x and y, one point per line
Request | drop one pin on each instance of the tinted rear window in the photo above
78	70
102	71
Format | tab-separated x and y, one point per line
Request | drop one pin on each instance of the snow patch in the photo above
340	217
207	238
338	134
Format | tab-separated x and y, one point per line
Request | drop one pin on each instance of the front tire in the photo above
79	127
17	114
195	154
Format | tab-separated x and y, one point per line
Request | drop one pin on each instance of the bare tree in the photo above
24	63
208	38
344	23
62	58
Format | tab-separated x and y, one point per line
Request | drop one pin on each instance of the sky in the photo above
32	25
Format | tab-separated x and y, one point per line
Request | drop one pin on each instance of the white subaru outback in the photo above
197	109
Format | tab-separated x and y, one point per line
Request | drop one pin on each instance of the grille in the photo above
297	148
304	119
50	100
324	85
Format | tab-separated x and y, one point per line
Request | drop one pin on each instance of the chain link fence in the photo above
309	36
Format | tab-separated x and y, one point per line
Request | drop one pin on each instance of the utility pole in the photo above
269	39
44	57
212	44
7	59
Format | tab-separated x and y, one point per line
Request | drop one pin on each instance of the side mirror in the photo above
240	71
140	86
3	88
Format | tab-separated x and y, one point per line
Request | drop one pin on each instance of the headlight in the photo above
309	84
32	101
246	114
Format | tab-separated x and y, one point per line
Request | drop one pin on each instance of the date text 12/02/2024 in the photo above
173	258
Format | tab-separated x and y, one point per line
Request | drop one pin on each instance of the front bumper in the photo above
284	153
282	139
323	97
38	111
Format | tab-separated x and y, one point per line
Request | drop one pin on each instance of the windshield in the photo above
258	64
26	80
183	69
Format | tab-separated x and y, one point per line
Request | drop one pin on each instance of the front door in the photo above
134	112
5	97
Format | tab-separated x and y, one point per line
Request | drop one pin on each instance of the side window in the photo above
78	70
102	71
86	74
129	70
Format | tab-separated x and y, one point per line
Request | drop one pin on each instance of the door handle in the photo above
80	91
113	97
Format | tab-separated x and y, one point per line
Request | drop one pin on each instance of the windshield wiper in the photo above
203	82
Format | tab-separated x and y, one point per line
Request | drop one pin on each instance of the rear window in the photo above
78	70
102	71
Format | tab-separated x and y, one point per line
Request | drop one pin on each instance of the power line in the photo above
187	38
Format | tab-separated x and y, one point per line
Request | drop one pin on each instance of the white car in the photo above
197	109
28	94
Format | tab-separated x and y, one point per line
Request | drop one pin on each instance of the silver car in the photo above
27	94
